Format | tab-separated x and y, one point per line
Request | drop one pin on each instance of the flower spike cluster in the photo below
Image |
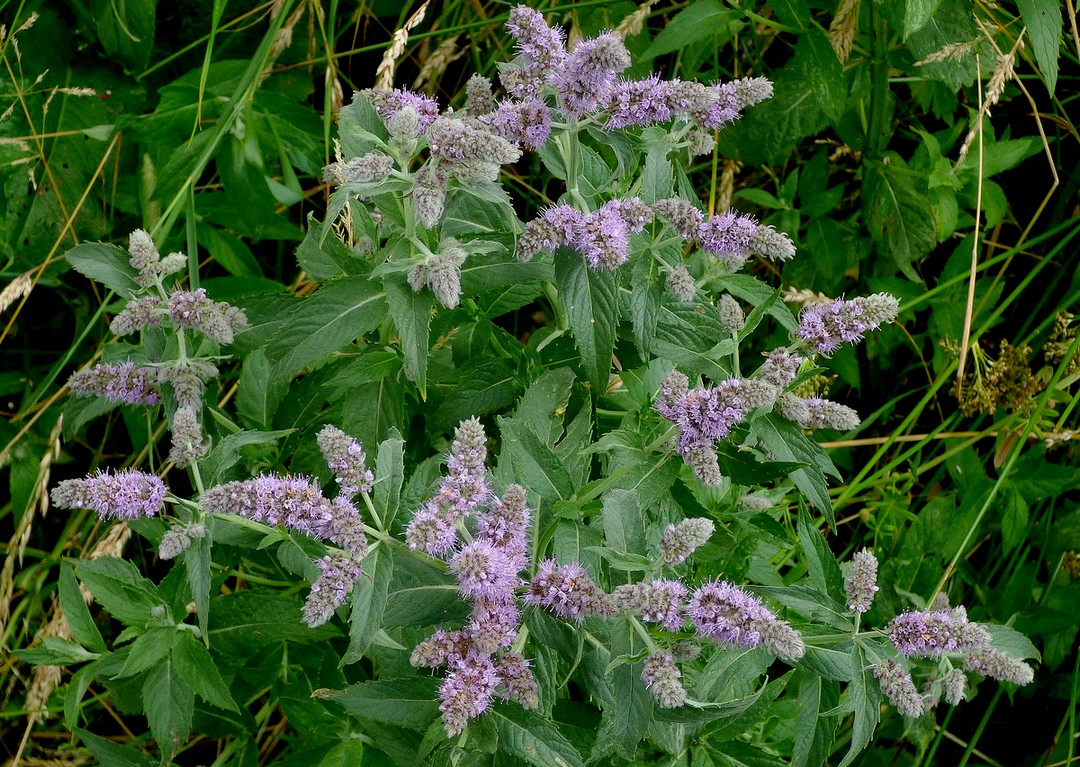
125	494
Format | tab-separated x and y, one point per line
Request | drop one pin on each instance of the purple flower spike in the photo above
861	583
587	76
124	383
467	691
484	571
825	328
898	687
639	102
294	502
389	102
494	624
517	680
339	573
920	633
568	591
542	49
661	601
431	532
126	494
724	612
345	458
662	676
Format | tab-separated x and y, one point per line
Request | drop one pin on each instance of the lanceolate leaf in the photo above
368	602
409	702
788	443
533	740
864	698
591	302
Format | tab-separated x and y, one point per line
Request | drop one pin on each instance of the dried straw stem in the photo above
384	73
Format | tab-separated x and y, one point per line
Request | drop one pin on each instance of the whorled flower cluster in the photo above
726	613
924	633
125	494
126	383
861	582
825	328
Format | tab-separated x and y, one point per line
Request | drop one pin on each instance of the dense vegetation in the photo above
348	262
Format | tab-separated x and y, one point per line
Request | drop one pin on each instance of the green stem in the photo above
879	88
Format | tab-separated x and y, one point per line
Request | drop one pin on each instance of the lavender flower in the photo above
728	236
429	194
144	254
294	502
724	612
780	367
494	623
542	49
925	633
374	167
404	129
568	591
465	487
431	532
747	91
479	98
195	310
388	102
661	601
539	236
145	312
467	691
639	102
588	74
187	438
345	458
339	574
679	541
440	649
703	415
518	681
731	314
825	328
347	528
602	236
756	392
681	284
705	466
457	141
441	272
124	383
897	686
188	381
681	215
662	676
521	122
506	525
125	494
484	571
861	583
954	683
826	414
768	242
173	543
997	665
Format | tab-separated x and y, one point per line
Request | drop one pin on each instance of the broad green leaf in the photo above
335	316
169	702
624	523
820	562
77	613
898	213
917	13
408	702
226	452
738	754
625	722
729	670
119	588
411	312
1011	642
76	690
126	30
1043	20
619	560
348	753
230	251
1014	519
535	465
360	128
389	477
658	178
697	714
196	561
368	602
809	602
698	21
759	709
251	621
107	264
532	739
54	651
591	302
111	754
952	23
788	443
258	394
147	651
372	411
421	595
864	698
645	299
570	451
322	255
823	73
814	728
197	669
544	404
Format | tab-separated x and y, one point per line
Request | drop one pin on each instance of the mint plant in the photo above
643	458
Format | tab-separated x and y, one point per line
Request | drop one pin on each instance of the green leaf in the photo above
107	264
625	722
196	561
54	651
226	453
258	394
110	754
1014	520
527	736
544	402
250	621
898	213
389	478
820	562
1043	20
535	465
758	710
917	13
591	301
169	703
421	595
411	312
335	316
369	602
230	251
788	443
409	702
360	128
631	563
126	30
77	613
823	73
119	588
197	668
864	698
76	690
147	651
646	297
624	524
658	177
814	729
698	21
322	255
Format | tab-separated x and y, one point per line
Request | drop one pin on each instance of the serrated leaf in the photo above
820	562
544	403
368	602
624	523
246	622
411	312
119	588
196	561
104	263
532	739
169	702
822	72
592	305
226	452
55	651
864	698
899	214
625	722
110	754
77	613
389	478
147	651
409	702
917	13
788	443
258	395
698	21
647	294
535	465
197	668
321	256
1043	20
334	316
